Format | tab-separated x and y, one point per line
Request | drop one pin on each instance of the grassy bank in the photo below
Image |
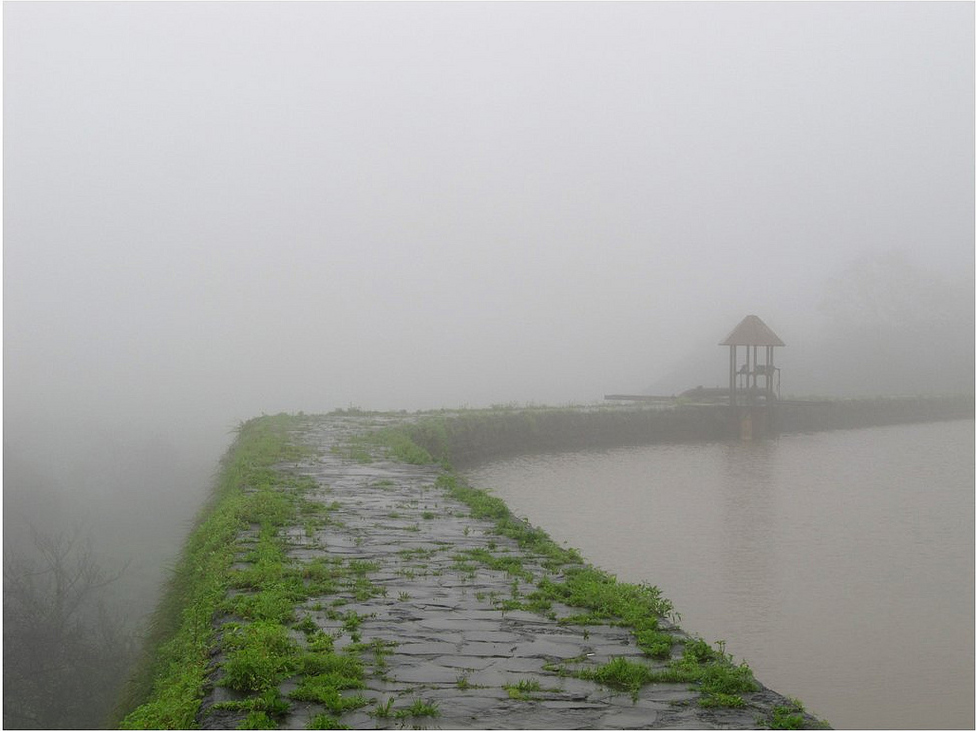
166	690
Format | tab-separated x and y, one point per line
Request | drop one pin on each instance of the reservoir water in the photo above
839	565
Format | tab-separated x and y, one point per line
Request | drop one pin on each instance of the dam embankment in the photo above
470	437
341	577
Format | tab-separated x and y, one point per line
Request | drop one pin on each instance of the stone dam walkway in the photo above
436	619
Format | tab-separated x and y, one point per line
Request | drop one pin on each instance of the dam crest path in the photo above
439	598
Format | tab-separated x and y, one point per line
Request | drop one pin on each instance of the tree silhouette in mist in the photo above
65	655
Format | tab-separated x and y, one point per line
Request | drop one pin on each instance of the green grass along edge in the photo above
166	689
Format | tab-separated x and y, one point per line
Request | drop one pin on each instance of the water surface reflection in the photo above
840	564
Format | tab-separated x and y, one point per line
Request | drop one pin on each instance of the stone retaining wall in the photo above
467	438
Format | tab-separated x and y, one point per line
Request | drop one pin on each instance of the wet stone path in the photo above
433	621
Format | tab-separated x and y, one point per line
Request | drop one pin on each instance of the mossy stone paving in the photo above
443	619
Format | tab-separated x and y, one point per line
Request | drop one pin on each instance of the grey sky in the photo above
217	209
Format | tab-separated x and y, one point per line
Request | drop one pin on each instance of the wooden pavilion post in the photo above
732	367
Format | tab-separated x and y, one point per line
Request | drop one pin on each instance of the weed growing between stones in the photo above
383	710
607	599
261	709
719	680
324	721
511	565
525	690
323	689
418	709
788	716
260	656
620	674
522	690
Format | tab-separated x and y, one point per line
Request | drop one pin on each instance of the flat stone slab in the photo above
439	614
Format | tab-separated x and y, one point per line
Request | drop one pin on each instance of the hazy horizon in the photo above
218	210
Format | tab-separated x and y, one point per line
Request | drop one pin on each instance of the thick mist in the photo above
218	210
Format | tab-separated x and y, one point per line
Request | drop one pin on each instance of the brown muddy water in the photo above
839	565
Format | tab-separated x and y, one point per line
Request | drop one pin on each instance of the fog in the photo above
218	210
